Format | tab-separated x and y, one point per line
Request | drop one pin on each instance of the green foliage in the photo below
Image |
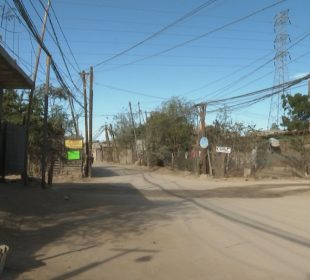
297	109
225	132
274	126
15	110
124	131
169	131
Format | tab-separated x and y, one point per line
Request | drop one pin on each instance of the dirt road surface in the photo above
130	223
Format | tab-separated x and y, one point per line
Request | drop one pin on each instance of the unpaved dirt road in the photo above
129	223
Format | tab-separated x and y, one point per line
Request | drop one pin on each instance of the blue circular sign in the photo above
204	142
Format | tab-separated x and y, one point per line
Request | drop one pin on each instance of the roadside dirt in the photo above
130	223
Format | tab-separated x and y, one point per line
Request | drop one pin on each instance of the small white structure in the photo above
3	253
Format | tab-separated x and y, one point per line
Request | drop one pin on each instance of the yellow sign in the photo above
74	143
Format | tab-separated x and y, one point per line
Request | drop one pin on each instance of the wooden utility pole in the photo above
45	142
139	113
1	106
114	142
110	155
34	78
202	109
36	67
91	96
75	123
144	138
134	131
86	124
309	98
3	137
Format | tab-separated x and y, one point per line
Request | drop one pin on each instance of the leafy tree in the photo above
59	124
13	107
124	131
297	109
169	131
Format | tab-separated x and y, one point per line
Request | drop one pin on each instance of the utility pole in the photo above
86	124
75	123
1	106
91	96
146	117
25	175
309	98
108	141
139	113
2	135
114	142
42	38
144	138
202	109
36	67
45	142
134	131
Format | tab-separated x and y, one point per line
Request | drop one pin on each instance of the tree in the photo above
59	124
124	131
169	131
297	109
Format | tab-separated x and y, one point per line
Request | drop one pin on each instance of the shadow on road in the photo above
99	171
254	192
123	252
31	218
233	216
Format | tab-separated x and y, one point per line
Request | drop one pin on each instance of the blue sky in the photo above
206	69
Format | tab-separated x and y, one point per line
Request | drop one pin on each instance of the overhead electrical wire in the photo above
62	54
157	33
269	73
226	76
47	29
131	91
24	14
66	40
25	63
56	41
199	36
255	96
235	82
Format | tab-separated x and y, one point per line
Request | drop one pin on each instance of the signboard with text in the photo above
225	150
74	144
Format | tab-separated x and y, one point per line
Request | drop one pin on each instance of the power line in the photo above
61	52
226	76
63	34
25	63
233	83
157	33
54	38
131	91
202	35
274	90
24	14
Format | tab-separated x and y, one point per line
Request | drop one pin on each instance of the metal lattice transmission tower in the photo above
281	59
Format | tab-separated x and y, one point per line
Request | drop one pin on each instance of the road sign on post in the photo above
204	142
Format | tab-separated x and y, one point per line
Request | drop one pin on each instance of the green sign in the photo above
74	155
